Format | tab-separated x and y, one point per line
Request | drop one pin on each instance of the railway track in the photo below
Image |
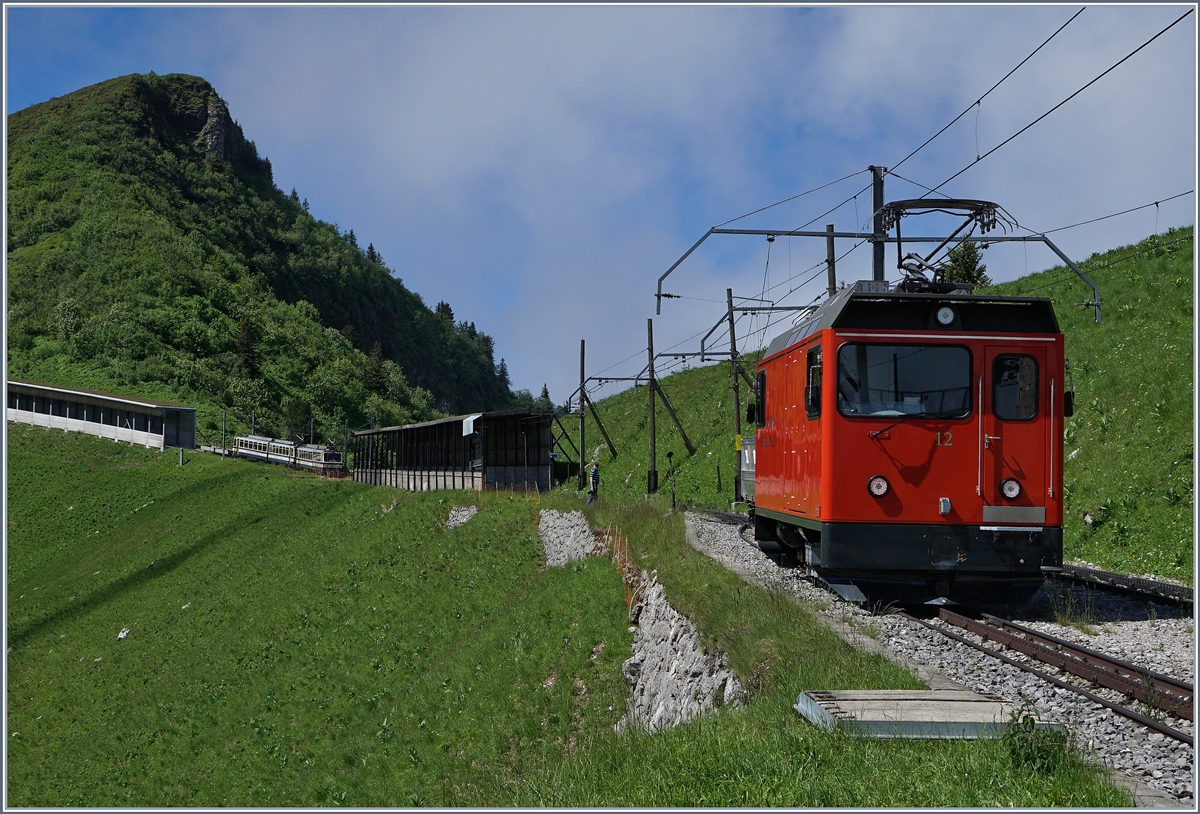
1124	583
1163	693
728	518
1088	577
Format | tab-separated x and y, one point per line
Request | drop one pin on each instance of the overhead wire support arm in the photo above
791	233
565	436
753	385
1095	303
674	266
745	309
765	232
1040	238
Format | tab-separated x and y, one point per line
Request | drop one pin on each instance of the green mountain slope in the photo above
1131	434
150	251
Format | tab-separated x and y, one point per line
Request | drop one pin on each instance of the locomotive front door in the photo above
1014	404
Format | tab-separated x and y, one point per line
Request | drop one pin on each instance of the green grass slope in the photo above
1131	434
142	260
300	642
290	643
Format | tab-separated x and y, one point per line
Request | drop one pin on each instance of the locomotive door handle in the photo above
987	439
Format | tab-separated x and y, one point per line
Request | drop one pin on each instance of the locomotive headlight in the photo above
1010	488
945	315
878	486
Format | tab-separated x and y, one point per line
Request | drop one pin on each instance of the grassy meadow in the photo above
290	643
295	641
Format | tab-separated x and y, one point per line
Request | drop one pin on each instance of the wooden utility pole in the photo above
652	472
582	415
830	259
737	401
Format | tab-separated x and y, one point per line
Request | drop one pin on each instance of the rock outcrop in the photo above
672	679
213	133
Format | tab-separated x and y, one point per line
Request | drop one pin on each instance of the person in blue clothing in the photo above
593	483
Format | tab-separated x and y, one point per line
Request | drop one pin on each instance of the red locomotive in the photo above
909	444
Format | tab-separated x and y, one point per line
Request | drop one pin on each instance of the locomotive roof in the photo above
853	307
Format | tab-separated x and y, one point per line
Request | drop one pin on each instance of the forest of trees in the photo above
150	251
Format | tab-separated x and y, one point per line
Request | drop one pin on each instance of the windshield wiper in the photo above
901	419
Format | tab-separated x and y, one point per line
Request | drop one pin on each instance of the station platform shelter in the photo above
149	422
493	450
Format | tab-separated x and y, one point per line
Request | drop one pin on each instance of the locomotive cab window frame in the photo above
812	382
1016	381
904	379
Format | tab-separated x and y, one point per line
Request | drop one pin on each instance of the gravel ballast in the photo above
1130	629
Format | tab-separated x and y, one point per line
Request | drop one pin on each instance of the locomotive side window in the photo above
812	388
1015	387
901	380
761	415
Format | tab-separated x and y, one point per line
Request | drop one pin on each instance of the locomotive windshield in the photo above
904	380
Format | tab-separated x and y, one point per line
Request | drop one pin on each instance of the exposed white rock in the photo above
566	537
672	679
460	515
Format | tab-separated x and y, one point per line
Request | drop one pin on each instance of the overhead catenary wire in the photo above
792	198
984	96
854	198
1115	214
915	183
1063	102
791	279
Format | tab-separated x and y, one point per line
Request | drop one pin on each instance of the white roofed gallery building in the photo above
133	419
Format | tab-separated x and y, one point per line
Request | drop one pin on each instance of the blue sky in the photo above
539	168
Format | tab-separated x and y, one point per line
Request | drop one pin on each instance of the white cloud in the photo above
539	168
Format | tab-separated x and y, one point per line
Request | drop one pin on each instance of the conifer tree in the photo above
962	265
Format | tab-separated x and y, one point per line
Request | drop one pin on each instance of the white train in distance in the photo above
278	451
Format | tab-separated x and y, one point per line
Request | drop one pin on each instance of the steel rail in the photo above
1124	712
1163	692
1124	582
1175	684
